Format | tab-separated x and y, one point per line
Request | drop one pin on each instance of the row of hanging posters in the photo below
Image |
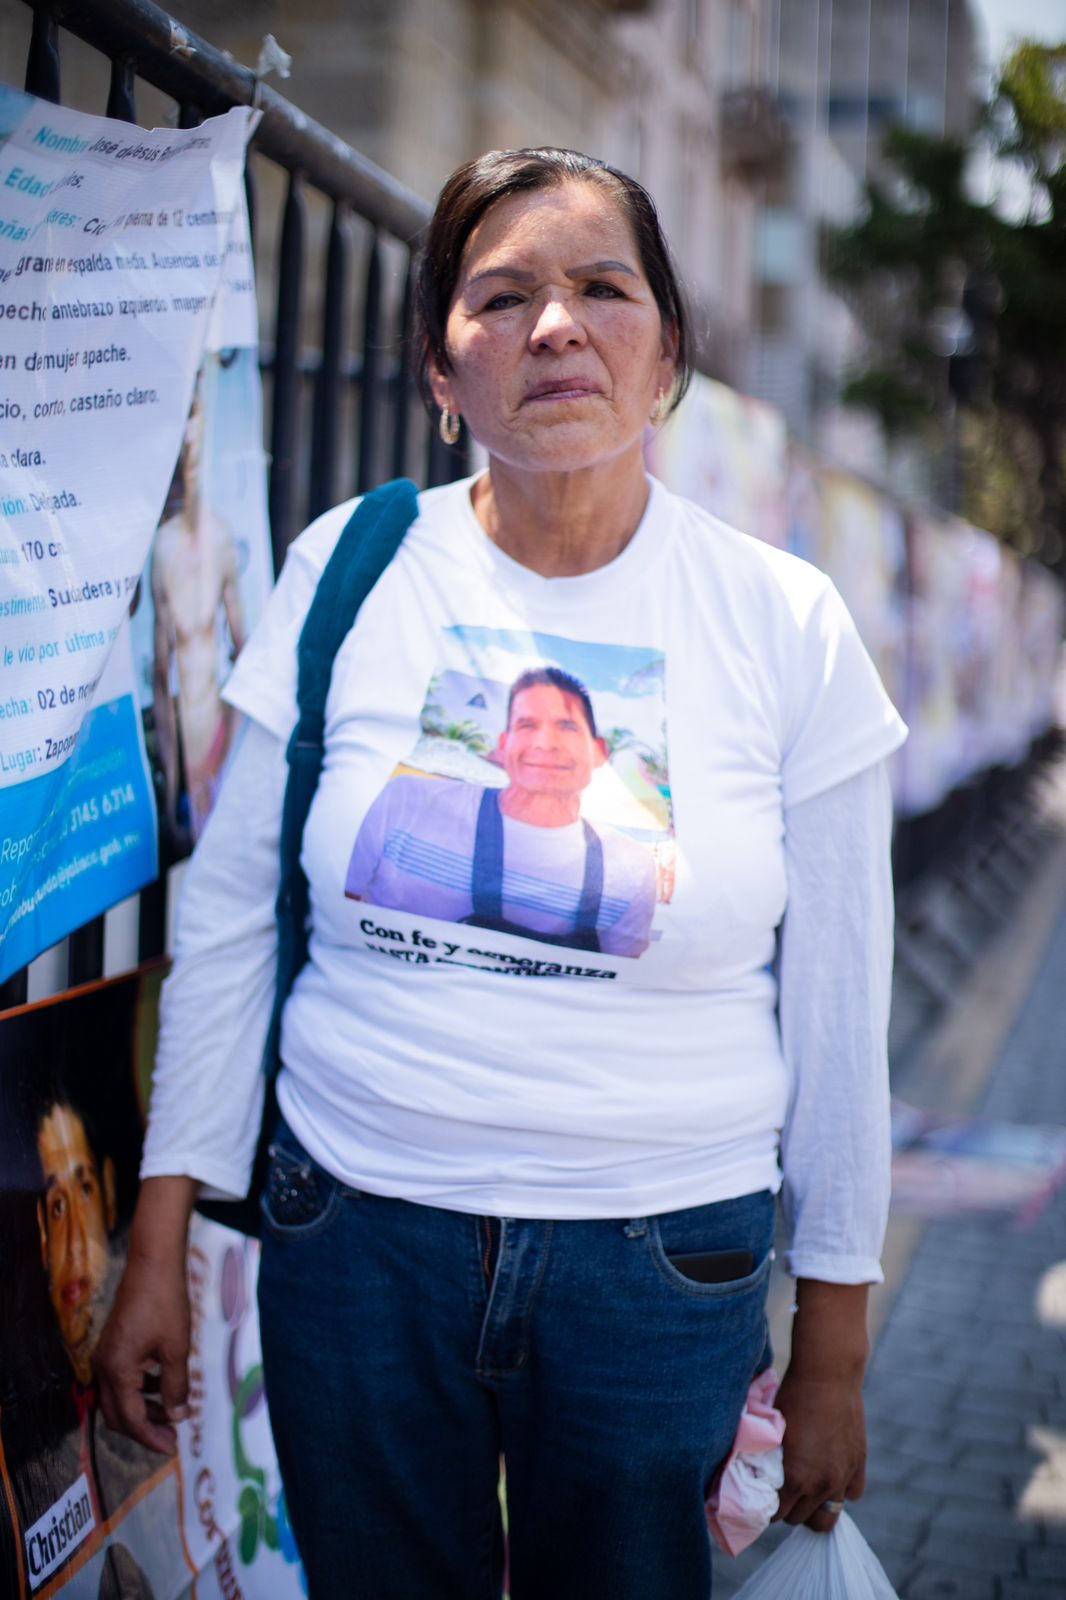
966	636
134	559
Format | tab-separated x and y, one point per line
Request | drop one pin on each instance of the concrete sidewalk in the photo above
966	1393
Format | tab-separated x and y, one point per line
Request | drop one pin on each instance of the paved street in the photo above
967	1386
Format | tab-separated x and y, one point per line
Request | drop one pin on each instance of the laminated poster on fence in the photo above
86	1512
729	454
209	571
123	258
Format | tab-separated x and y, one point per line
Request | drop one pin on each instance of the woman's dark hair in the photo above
474	188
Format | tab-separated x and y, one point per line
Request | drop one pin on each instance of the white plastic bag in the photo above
821	1566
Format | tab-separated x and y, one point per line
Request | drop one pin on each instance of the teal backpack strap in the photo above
370	539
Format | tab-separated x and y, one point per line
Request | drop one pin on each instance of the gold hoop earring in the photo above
658	410
449	426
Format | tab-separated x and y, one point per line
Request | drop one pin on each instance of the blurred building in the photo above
675	91
843	71
752	122
698	124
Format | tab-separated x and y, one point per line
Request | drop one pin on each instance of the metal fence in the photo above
347	376
366	420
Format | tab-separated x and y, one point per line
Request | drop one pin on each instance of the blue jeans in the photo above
407	1348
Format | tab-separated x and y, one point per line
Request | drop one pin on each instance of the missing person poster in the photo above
858	537
932	761
84	1511
729	454
206	581
238	1537
530	829
123	255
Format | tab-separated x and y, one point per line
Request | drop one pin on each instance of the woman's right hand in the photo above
141	1362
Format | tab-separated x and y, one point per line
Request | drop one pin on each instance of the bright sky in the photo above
1006	20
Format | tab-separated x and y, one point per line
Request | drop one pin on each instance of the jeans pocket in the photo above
300	1198
730	1290
744	1225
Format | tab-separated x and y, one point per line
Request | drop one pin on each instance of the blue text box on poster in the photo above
75	841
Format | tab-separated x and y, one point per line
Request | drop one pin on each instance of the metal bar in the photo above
42	60
403	383
85	947
286	378
438	459
42	80
250	197
368	388
85	954
121	99
152	928
143	40
15	992
324	432
184	65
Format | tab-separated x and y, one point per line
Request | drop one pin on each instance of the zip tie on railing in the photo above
180	43
272	58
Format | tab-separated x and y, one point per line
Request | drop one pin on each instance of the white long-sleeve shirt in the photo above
746	746
834	976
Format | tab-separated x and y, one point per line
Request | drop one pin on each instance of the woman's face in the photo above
556	344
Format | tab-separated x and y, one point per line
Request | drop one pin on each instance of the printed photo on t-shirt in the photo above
536	801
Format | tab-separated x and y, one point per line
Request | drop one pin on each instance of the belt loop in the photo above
636	1228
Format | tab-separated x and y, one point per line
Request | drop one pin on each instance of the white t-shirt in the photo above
834	968
728	683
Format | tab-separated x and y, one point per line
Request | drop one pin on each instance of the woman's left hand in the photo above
821	1400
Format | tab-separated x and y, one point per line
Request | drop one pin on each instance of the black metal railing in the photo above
366	421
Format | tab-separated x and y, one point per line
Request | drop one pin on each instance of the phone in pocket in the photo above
714	1266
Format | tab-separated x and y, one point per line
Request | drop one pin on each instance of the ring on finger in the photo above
834	1507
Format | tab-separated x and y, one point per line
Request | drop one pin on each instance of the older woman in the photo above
535	1217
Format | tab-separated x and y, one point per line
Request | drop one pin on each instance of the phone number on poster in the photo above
90	810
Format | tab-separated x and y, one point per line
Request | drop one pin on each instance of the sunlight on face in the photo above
556	345
548	746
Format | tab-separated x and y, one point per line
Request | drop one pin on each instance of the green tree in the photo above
618	739
965	305
467	732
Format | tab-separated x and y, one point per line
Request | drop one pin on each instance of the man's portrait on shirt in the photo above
515	843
